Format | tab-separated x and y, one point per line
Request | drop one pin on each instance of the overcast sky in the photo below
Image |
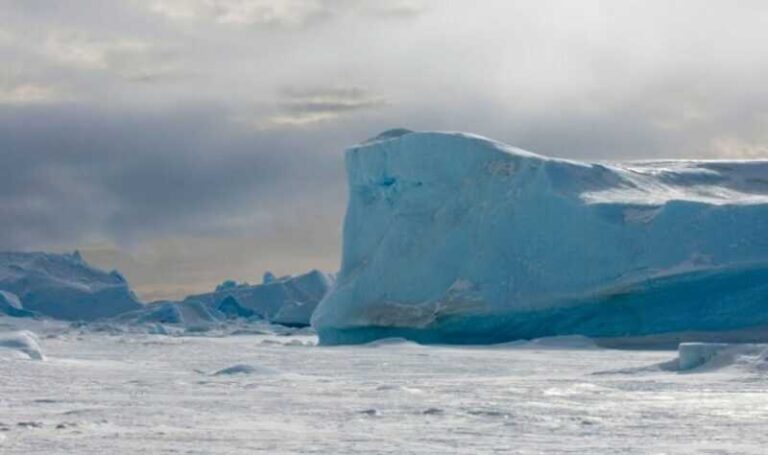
190	141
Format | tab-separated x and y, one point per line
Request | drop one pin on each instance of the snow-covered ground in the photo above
102	392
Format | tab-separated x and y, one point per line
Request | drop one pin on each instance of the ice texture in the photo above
11	305
231	309
455	238
64	286
288	300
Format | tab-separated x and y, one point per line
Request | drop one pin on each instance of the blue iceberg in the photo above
288	300
455	238
62	286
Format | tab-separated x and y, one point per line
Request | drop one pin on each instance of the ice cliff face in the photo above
456	238
62	286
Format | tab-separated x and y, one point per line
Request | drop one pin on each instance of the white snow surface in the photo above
136	393
452	237
242	368
710	356
23	341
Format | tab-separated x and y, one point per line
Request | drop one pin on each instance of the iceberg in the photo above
455	238
63	286
288	300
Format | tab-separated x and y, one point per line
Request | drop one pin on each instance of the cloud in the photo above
28	93
736	148
6	37
307	106
18	88
279	13
129	58
288	14
337	100
397	8
75	175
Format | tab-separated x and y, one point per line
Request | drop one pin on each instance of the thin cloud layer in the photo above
307	106
286	13
203	139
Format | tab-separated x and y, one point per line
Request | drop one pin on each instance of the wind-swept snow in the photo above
713	356
102	392
456	238
22	341
242	368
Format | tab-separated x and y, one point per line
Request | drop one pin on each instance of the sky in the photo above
186	142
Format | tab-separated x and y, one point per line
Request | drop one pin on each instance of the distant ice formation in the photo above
288	300
454	238
62	286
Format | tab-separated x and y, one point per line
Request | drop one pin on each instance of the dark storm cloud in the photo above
137	174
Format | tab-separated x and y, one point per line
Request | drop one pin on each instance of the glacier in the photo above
456	238
61	286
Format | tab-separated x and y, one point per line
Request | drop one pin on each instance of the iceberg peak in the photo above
390	134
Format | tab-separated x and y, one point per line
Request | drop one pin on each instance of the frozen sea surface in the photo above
97	393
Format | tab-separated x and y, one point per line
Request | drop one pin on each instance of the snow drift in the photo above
456	238
715	356
24	342
64	286
191	315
